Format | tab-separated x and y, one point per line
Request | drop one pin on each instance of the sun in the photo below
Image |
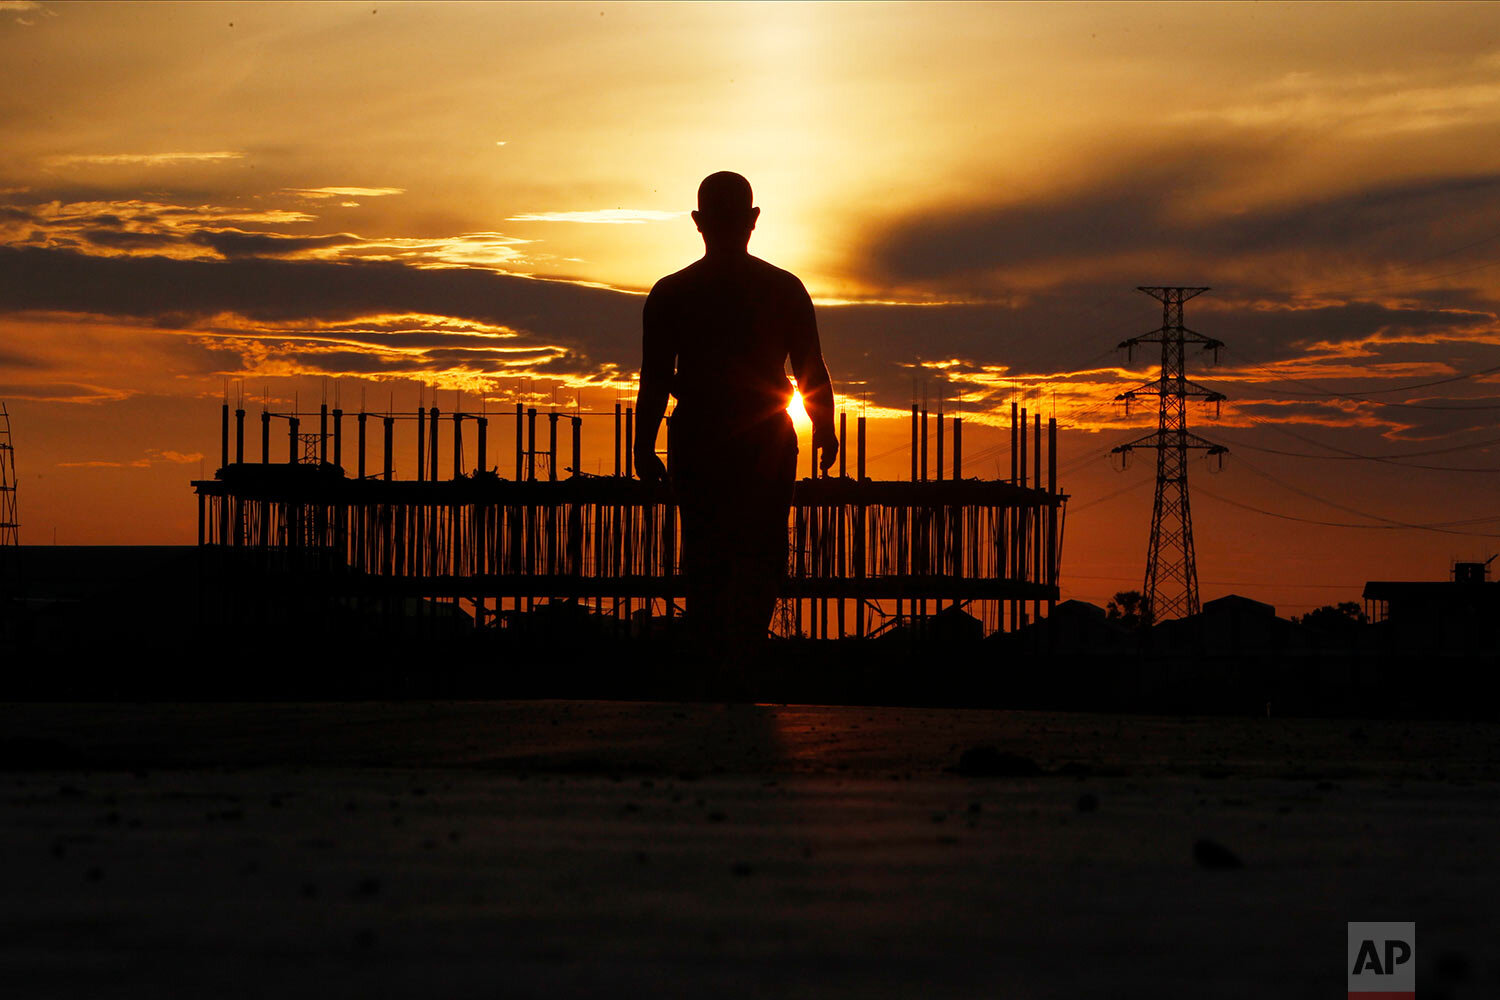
798	412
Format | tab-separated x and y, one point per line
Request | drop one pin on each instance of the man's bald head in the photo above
726	195
726	206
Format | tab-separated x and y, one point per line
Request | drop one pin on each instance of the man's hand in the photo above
648	467
826	443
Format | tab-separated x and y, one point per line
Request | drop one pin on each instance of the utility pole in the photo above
1171	586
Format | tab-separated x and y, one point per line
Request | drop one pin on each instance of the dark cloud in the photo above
106	220
1455	432
1143	209
380	340
538	362
599	326
1427	418
1083	225
238	243
1309	411
72	392
117	239
10	359
462	354
344	362
988	349
1078	326
1394	222
1273	334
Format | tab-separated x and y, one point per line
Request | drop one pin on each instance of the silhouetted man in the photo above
718	335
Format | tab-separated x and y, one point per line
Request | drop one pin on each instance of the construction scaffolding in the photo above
865	557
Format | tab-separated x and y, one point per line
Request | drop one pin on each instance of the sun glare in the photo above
800	419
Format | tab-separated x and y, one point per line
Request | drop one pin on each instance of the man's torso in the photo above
729	325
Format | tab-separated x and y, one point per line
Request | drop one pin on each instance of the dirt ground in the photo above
566	849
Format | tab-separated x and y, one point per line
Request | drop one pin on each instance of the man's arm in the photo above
812	376
658	363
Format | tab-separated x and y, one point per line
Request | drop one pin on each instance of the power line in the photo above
1228	583
1108	496
1446	253
1356	397
1339	524
1352	510
1446	527
1359	290
1383	459
1431	277
1344	454
1372	458
1358	394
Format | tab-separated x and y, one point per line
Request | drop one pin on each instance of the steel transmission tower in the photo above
9	524
1171	587
10	542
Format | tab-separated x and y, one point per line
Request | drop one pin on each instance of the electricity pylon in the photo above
9	524
784	619
1171	587
10	542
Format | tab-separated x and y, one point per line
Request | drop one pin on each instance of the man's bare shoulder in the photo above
703	276
669	282
780	278
676	284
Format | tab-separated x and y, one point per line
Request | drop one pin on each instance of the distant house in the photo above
1231	626
1073	627
1235	624
1078	612
1233	605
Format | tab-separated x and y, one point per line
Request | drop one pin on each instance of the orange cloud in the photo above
176	457
64	392
603	216
347	192
138	159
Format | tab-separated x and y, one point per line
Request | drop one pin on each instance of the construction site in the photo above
517	554
500	531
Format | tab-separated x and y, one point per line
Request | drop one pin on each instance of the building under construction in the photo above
324	511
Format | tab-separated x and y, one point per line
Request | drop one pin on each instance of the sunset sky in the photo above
385	199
